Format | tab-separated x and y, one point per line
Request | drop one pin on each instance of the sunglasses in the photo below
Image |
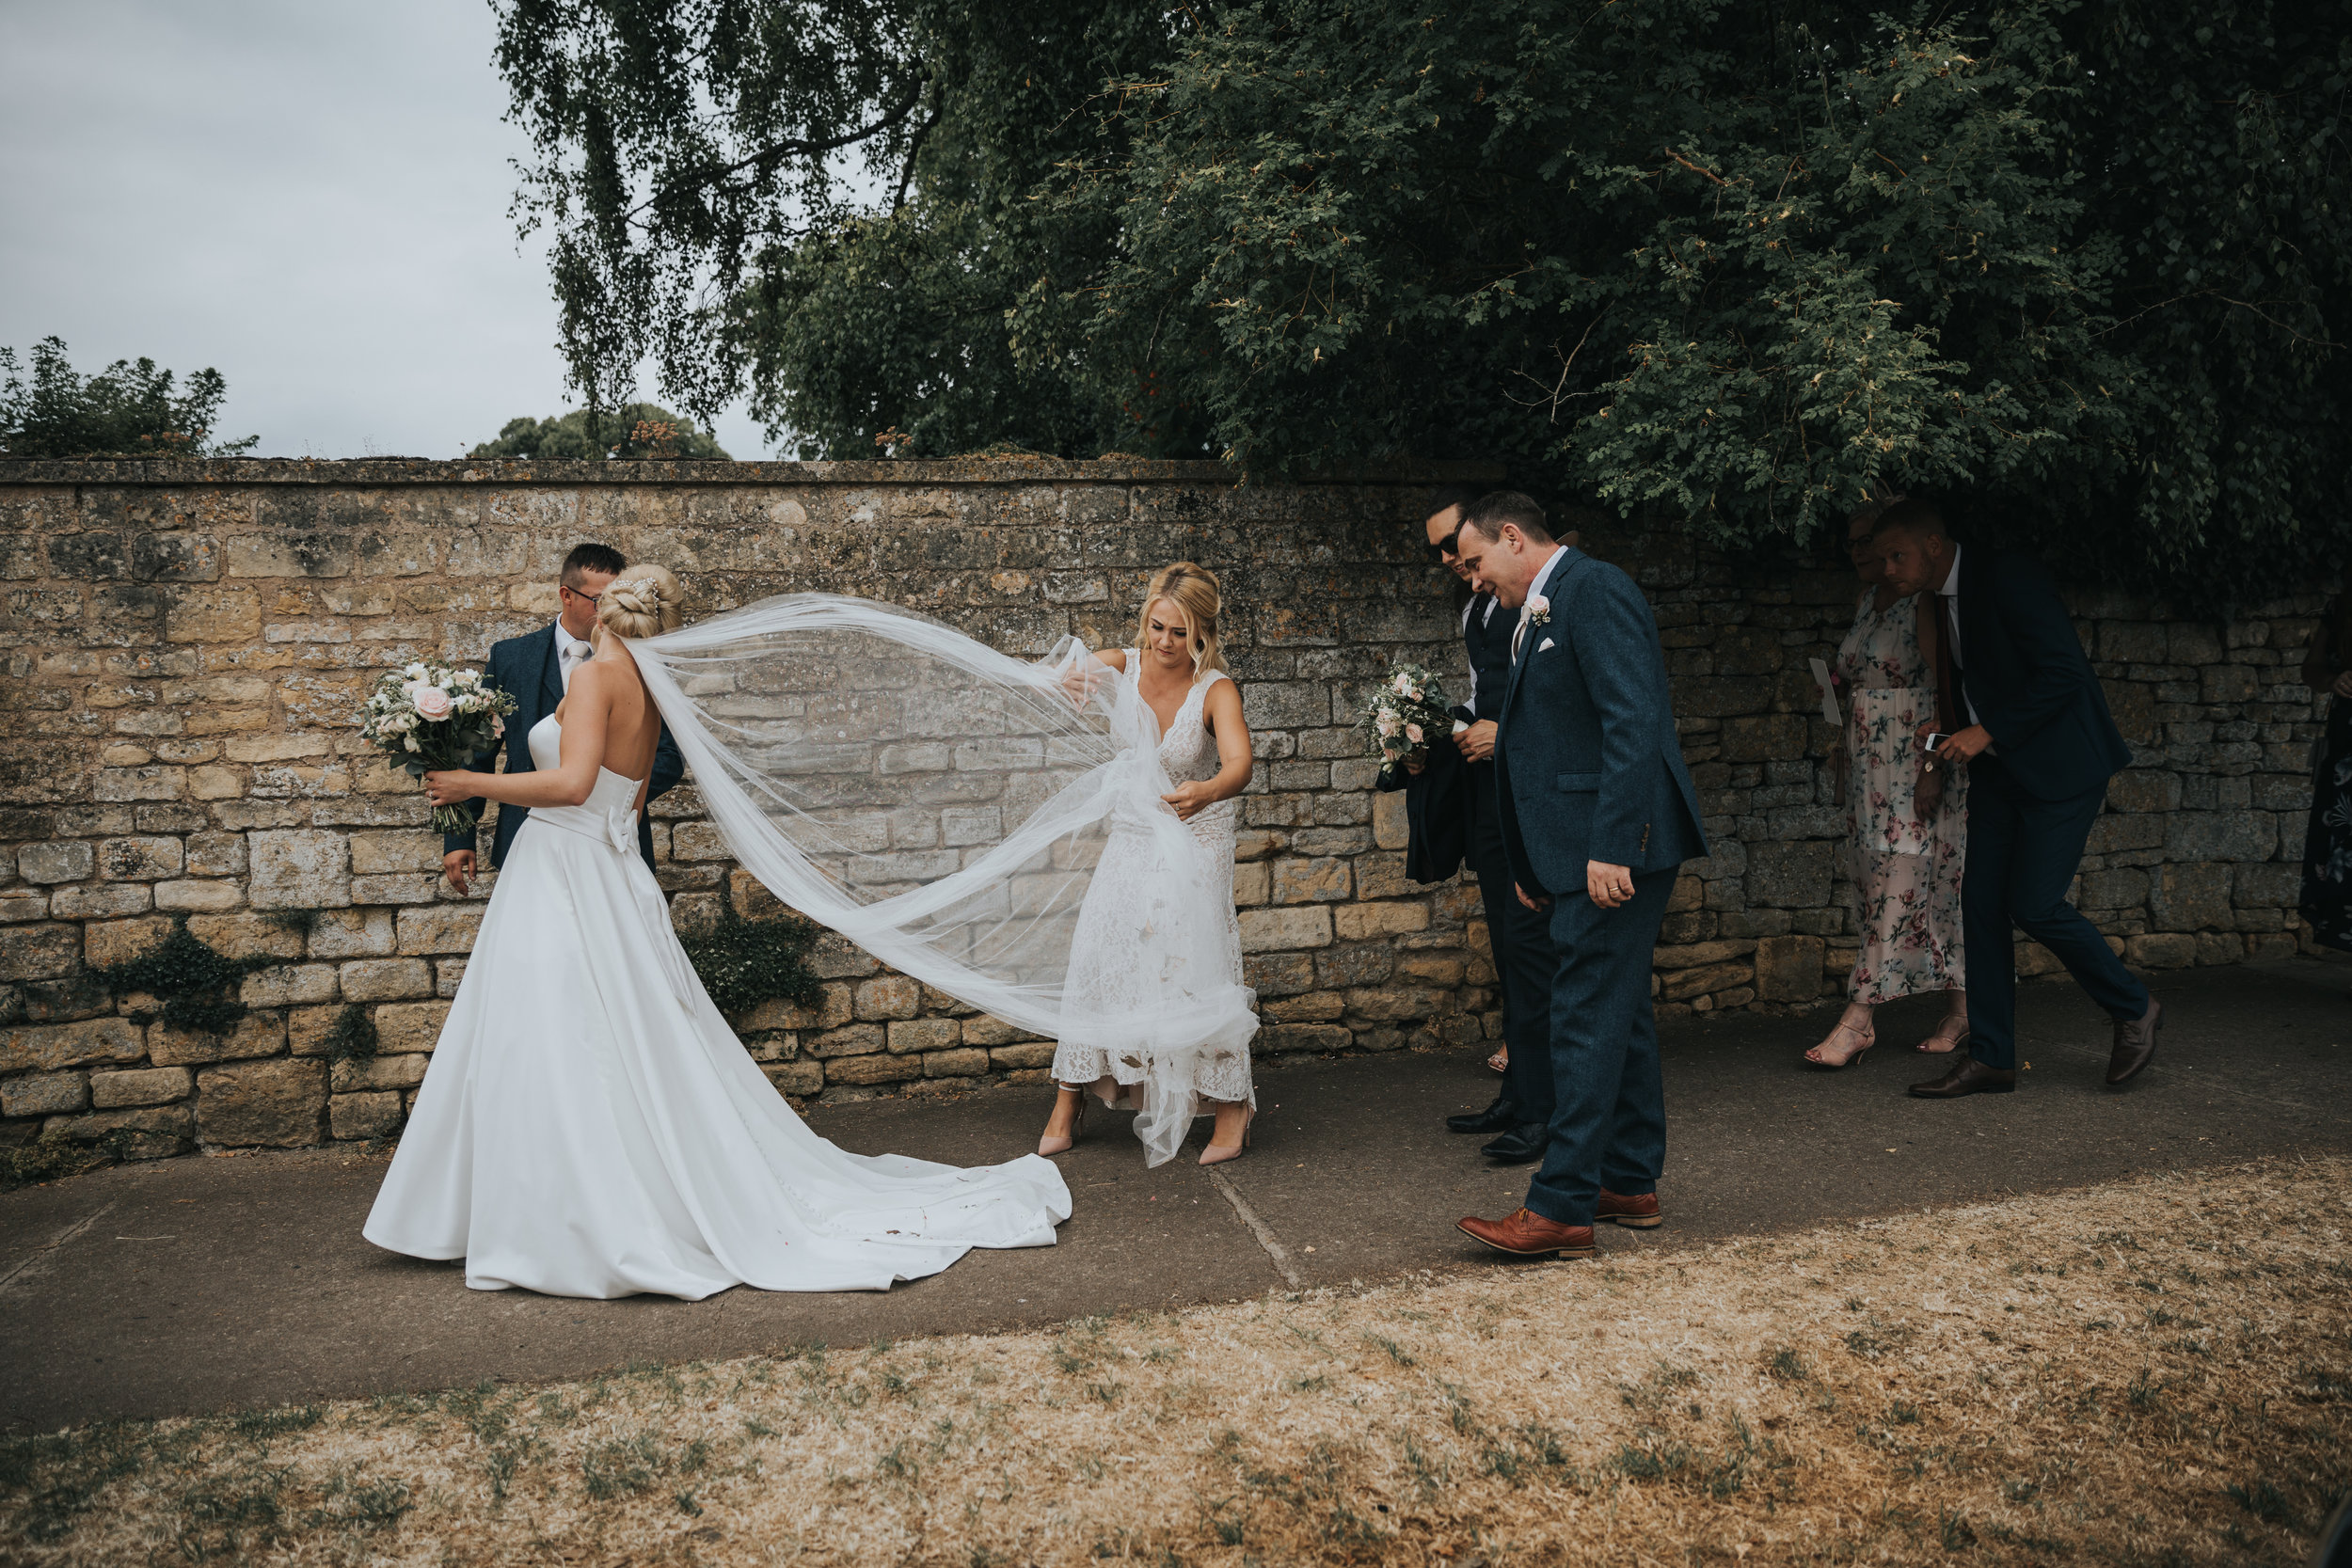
1448	545
592	598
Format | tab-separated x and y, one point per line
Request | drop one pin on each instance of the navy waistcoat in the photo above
1490	650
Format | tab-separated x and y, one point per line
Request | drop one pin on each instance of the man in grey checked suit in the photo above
1599	815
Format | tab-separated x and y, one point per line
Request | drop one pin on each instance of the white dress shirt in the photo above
570	653
1535	592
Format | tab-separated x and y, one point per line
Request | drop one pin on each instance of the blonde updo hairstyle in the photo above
641	602
1193	590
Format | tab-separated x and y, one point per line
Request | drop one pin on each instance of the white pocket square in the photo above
1545	643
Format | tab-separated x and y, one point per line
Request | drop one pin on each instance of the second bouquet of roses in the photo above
1406	712
431	717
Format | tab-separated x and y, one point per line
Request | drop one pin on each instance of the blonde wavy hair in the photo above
1194	590
641	602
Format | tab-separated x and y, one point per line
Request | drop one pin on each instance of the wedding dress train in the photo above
592	1127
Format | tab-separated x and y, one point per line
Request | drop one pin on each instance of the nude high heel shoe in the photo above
1217	1154
1078	1128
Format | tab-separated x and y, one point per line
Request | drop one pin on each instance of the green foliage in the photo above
635	430
2084	268
126	410
197	986
745	962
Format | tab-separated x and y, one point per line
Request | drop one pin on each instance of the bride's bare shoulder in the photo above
1115	657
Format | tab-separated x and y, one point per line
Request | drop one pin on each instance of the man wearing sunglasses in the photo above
1454	815
537	669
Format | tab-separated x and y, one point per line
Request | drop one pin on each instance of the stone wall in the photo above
186	643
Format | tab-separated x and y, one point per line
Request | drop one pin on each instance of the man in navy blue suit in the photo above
1597	817
537	669
2039	746
1454	819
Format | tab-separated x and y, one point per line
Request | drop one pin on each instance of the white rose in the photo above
411	743
1538	605
1387	725
433	703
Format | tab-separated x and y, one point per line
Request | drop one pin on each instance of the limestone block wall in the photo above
186	642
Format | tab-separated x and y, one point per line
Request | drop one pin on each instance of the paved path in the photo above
196	1285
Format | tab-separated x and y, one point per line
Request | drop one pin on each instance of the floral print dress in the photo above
1906	867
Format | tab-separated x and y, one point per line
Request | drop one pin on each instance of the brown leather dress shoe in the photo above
2135	1043
1968	1076
1527	1234
1640	1213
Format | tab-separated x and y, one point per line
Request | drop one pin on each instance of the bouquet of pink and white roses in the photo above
430	717
1407	713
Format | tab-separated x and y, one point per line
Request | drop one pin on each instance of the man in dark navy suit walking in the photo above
1597	816
537	669
2040	747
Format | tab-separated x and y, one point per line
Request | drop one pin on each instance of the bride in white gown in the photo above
591	1126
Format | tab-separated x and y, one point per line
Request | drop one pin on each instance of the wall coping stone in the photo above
379	471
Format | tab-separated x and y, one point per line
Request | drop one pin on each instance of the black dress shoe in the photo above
1968	1076
2135	1043
1522	1146
1497	1118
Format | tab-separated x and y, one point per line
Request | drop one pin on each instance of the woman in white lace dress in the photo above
1176	671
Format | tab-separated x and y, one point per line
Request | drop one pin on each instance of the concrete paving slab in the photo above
202	1284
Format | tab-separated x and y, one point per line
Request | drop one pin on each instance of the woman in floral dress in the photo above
1906	854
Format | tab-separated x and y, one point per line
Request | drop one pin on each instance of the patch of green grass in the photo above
622	1466
2266	1503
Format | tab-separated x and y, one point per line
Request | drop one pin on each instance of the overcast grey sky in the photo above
309	195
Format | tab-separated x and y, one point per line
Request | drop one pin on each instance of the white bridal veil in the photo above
944	806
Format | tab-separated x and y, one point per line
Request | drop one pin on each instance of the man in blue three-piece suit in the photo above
1597	816
2029	721
537	669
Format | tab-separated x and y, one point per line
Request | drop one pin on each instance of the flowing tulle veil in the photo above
944	806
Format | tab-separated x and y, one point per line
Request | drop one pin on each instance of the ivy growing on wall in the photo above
196	985
745	962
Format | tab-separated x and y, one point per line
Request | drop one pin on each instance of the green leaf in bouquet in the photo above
414	769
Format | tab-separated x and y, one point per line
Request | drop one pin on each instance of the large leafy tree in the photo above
129	409
2082	266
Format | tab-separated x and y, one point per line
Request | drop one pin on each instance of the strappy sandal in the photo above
1867	1036
1953	1032
1500	1063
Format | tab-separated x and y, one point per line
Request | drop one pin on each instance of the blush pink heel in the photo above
1217	1154
1077	1127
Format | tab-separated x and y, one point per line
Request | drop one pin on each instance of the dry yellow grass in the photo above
2153	1372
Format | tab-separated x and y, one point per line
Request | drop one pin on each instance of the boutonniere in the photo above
1539	611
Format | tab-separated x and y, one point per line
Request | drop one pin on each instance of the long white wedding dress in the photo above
592	1127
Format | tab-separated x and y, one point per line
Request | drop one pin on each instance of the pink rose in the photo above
433	703
1412	733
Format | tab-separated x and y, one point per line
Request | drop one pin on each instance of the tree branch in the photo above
770	156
